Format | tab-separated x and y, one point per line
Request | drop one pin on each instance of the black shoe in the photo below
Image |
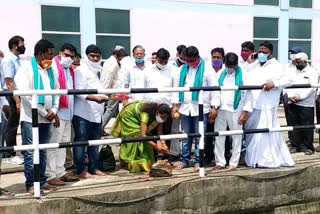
309	152
318	149
293	150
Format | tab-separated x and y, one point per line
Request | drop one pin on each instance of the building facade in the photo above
164	23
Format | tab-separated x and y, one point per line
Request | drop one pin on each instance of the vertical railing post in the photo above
35	141
201	131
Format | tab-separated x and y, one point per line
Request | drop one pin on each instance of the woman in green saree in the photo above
137	119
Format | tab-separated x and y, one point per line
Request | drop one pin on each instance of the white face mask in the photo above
66	62
159	119
161	67
95	65
293	56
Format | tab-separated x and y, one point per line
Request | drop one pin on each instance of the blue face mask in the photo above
140	61
263	57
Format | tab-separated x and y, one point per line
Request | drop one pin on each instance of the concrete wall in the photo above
20	18
203	30
229	2
266	192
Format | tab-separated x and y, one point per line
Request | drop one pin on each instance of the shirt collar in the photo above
14	57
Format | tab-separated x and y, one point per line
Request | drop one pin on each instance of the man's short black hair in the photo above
15	41
69	47
121	53
267	44
249	45
191	52
180	48
163	54
231	59
42	46
218	50
78	55
137	46
93	49
154	53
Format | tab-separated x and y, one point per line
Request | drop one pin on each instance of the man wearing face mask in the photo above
56	158
266	149
217	66
180	56
301	105
112	79
290	69
134	76
88	112
10	66
233	111
161	75
247	48
38	75
194	74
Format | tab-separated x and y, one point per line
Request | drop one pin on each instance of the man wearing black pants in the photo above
301	105
10	65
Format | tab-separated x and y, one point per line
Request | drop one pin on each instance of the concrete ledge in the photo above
243	191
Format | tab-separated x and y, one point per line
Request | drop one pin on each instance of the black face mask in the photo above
179	62
21	49
300	67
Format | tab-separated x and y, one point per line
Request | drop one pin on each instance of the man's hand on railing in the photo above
97	99
268	86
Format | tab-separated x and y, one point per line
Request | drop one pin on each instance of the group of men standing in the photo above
87	115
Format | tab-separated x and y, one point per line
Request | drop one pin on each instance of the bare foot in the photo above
181	166
217	168
85	175
98	172
196	168
145	176
232	168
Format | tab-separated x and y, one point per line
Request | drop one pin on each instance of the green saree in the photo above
135	157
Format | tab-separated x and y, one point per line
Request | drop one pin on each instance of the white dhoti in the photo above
266	149
224	119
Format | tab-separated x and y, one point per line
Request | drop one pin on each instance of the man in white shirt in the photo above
88	111
179	61
153	57
194	74
266	149
290	69
233	111
216	67
301	105
161	75
10	66
134	77
111	76
38	75
217	56
56	158
247	48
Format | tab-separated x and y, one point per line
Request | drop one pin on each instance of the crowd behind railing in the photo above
83	117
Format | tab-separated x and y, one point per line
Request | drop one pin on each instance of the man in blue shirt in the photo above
10	65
